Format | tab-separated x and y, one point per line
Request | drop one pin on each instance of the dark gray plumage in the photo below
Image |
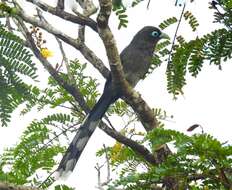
136	59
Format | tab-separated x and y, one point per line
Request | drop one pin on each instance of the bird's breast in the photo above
136	63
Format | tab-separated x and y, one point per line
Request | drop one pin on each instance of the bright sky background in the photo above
207	99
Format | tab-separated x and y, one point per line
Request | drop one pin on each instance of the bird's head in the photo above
149	35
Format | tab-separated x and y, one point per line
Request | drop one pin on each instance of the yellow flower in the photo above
116	150
117	147
46	53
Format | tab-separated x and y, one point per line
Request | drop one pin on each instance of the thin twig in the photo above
108	179
109	122
98	168
78	18
81	33
174	39
8	24
47	178
56	136
65	59
148	4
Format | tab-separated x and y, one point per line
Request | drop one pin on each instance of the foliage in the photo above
122	16
198	162
189	56
135	2
6	10
40	142
55	96
32	153
196	158
191	19
63	187
168	22
15	68
120	108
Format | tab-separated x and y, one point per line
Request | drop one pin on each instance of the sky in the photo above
206	100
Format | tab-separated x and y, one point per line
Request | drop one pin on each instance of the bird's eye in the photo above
154	33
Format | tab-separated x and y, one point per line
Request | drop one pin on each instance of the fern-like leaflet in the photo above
15	66
122	17
191	20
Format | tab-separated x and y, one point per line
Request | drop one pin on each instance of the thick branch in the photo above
140	107
5	186
131	97
60	5
144	112
136	147
78	18
109	43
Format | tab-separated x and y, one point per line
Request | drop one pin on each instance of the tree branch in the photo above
134	99
131	97
5	186
76	43
70	88
88	7
98	168
136	147
175	35
78	18
60	5
141	150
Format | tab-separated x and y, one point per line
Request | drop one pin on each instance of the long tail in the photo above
84	133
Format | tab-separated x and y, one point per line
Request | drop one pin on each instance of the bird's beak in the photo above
164	36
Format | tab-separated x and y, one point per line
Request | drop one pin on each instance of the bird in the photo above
136	60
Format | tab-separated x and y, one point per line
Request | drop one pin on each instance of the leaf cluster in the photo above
199	157
196	158
122	16
40	142
189	57
6	10
15	67
29	155
55	96
191	19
